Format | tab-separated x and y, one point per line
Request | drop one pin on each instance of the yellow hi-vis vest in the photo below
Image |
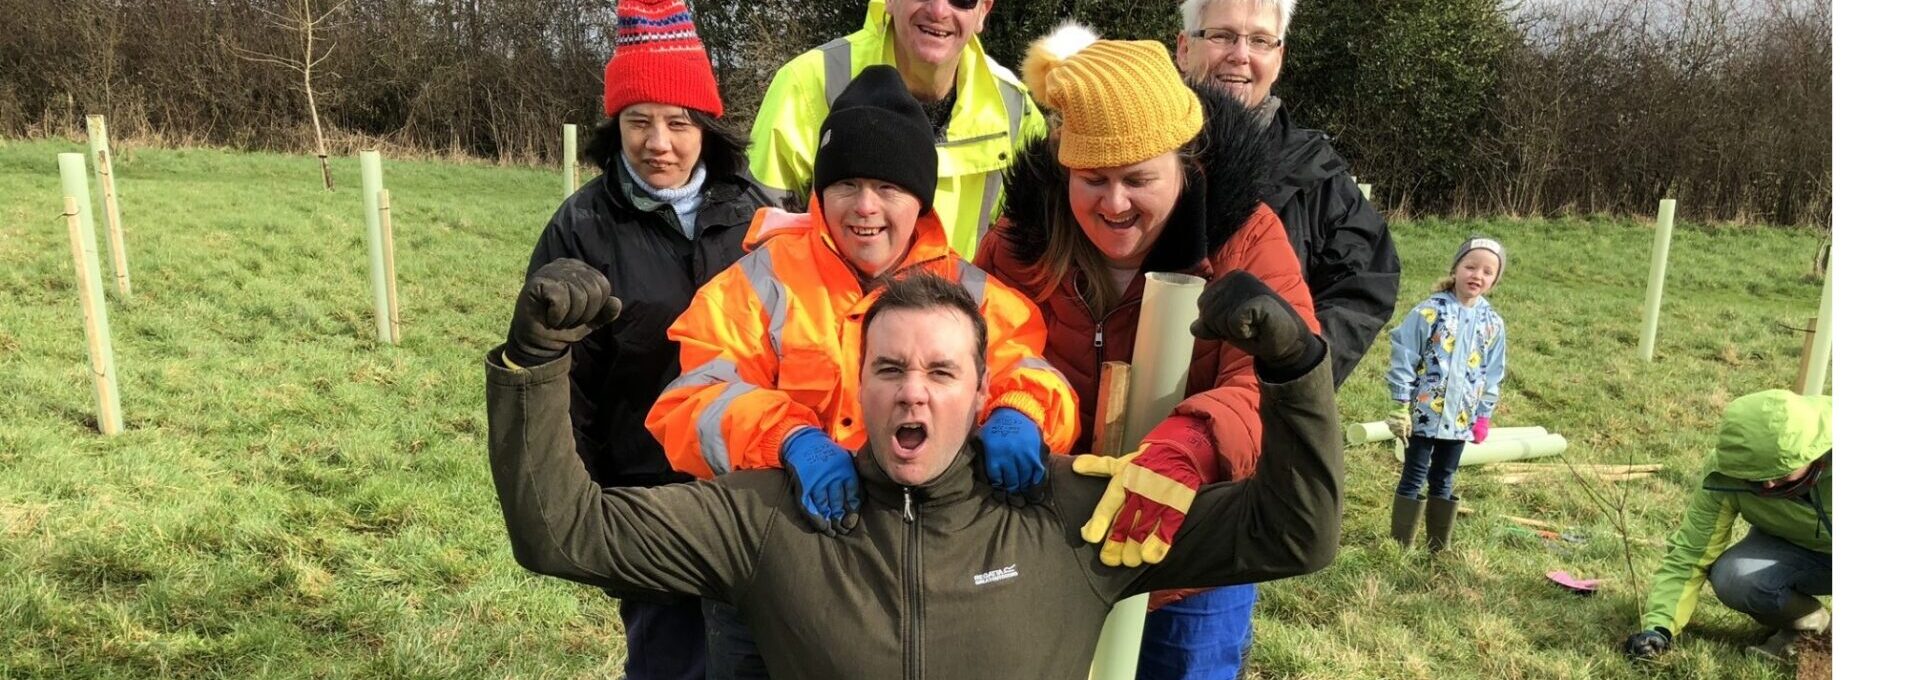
992	116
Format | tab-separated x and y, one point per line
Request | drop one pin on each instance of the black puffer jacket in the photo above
1342	242
619	370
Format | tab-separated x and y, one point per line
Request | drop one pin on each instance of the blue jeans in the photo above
1202	637
731	651
664	641
1433	462
1756	575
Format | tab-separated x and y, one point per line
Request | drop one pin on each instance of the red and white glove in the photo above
1480	429
1152	489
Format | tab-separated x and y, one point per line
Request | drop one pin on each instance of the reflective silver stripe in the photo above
969	140
1039	364
839	55
712	372
988	198
758	266
1016	105
974	279
713	439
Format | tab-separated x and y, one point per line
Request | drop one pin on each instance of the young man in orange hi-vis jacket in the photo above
769	350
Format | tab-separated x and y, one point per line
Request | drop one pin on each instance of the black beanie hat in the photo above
876	130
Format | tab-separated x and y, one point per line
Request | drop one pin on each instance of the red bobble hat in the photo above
657	57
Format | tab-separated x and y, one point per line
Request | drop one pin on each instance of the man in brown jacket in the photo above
936	579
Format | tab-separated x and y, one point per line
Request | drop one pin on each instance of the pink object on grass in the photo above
1480	429
1581	586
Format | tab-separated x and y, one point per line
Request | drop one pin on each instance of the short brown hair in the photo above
923	290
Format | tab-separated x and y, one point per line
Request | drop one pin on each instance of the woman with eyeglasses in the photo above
1345	249
1149	174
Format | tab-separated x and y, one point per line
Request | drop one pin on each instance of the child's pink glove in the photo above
1480	429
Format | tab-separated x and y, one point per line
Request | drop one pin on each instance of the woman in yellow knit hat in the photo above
1144	173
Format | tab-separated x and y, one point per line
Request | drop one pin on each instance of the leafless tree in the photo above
306	27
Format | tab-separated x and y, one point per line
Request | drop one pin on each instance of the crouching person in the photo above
932	557
1773	467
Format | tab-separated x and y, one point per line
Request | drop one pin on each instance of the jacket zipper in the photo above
913	611
1099	326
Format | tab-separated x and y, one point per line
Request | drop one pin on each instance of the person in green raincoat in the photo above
1773	467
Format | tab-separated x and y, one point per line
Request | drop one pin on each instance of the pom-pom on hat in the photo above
1120	101
658	58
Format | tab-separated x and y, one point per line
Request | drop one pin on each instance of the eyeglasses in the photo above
1257	43
963	4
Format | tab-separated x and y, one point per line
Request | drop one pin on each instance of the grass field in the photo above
293	499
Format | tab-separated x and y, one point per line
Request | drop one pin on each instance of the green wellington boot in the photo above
1406	518
1440	513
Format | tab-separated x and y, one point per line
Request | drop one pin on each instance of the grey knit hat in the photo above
1486	244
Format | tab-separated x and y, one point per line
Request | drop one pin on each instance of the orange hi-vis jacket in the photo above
773	343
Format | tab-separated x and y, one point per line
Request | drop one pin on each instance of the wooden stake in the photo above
1806	352
1579	467
393	282
106	390
1110	411
110	200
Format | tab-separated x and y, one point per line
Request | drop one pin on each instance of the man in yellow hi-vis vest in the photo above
980	111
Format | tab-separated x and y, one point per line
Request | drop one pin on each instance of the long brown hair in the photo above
1069	249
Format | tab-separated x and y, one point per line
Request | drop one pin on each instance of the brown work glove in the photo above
562	302
1240	309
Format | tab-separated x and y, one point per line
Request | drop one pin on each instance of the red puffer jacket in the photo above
1218	225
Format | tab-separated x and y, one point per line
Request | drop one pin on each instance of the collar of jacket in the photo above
1302	157
929	238
721	190
975	140
1224	187
1448	297
958	481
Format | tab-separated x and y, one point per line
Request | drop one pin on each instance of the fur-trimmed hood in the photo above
1223	189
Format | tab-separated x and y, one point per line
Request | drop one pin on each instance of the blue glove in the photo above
1015	455
826	485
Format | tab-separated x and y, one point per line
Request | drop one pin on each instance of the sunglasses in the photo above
963	4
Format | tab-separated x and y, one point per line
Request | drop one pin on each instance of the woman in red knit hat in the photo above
669	211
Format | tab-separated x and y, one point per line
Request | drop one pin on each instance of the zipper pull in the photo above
1099	335
906	504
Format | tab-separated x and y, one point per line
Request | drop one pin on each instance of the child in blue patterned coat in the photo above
1448	358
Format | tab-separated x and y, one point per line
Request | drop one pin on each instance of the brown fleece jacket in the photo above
937	581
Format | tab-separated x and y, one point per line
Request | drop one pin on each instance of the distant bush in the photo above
1447	106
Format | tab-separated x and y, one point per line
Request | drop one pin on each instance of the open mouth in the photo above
866	232
1226	79
909	437
1128	222
932	32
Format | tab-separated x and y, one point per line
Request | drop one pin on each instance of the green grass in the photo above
292	499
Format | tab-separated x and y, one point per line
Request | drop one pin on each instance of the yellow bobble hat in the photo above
1120	101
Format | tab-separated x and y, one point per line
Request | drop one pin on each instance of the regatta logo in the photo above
826	138
1000	574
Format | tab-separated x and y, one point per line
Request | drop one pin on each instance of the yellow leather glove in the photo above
1141	510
